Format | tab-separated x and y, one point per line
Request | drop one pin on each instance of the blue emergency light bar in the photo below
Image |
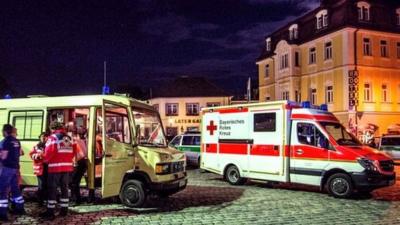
8	96
307	105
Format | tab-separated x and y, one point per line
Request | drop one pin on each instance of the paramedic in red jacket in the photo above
40	168
59	153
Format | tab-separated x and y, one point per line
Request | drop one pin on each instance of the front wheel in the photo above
232	175
340	186
133	194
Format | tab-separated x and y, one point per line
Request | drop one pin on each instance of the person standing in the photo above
40	168
59	154
9	155
80	166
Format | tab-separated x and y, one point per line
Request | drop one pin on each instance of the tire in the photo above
133	194
232	175
339	185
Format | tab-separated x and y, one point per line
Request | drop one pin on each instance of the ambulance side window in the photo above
264	122
309	134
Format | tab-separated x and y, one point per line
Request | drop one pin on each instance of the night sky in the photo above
58	47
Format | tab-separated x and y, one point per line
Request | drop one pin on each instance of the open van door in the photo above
117	146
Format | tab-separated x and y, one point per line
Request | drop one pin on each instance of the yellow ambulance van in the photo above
124	138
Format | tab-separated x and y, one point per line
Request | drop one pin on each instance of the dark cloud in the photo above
49	45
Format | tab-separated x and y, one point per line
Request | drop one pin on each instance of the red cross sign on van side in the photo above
212	127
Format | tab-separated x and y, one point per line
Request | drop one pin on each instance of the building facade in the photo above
345	53
180	102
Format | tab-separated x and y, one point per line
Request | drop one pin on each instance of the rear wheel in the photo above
133	194
232	175
339	185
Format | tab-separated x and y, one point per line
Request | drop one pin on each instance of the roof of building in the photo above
189	87
341	14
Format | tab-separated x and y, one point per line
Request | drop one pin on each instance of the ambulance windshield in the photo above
340	134
148	128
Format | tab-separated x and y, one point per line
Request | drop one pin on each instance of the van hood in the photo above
366	152
176	154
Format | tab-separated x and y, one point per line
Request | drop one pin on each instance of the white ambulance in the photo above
288	142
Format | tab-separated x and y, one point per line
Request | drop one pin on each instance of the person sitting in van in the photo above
40	168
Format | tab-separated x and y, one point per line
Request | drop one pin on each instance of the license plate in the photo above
182	183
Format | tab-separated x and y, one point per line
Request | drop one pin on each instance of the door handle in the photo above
109	155
299	151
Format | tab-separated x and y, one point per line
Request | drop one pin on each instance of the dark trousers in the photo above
9	183
42	185
55	180
79	172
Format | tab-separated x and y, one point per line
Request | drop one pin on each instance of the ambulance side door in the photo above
209	139
266	157
308	156
118	151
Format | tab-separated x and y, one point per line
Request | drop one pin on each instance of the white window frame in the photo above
268	44
328	51
284	61
364	13
285	95
312	55
191	108
293	32
384	46
385	92
368	92
322	19
172	107
313	96
367	46
329	94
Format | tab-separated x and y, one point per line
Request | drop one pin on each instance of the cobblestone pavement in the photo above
209	200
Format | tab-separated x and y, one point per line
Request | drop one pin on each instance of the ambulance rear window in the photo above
264	122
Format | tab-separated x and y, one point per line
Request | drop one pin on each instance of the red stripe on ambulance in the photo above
211	148
315	117
238	149
265	150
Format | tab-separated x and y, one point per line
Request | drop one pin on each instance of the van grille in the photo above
177	167
387	165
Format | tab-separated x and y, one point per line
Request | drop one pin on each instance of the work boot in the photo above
48	215
63	211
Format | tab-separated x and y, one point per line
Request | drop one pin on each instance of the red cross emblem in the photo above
212	127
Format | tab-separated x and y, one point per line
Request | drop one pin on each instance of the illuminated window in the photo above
267	71
329	94
367	47
363	11
398	50
367	92
297	59
313	96
322	19
297	95
385	95
328	50
284	61
285	95
312	56
384	49
268	44
192	109
293	32
171	109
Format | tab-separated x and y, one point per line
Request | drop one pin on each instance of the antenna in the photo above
106	89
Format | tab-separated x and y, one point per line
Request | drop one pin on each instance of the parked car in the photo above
390	144
190	144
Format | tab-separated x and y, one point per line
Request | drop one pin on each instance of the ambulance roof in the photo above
70	101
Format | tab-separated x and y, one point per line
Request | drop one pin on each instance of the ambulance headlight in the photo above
367	164
164	168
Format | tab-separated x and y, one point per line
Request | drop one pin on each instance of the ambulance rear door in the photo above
266	157
209	139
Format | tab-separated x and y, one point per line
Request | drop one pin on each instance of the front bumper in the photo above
367	180
170	186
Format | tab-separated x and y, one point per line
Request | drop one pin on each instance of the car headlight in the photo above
367	164
163	168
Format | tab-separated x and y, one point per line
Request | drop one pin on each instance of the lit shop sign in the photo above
353	88
188	121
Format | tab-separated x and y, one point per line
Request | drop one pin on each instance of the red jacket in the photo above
60	152
36	155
